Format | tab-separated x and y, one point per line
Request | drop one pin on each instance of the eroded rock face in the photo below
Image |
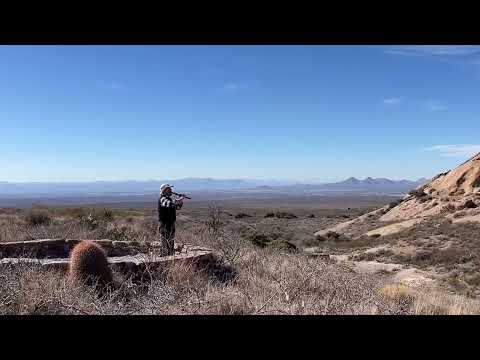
463	180
445	194
393	228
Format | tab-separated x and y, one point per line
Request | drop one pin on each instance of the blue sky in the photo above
307	113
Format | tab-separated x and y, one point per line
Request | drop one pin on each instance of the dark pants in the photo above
167	235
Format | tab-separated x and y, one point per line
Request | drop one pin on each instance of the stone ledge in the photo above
59	248
124	256
128	263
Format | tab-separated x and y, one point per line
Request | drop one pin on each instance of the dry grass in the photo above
430	301
245	279
265	283
437	303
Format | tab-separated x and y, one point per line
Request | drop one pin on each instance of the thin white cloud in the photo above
435	50
465	150
230	87
392	101
433	106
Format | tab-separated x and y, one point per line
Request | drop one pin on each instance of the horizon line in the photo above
298	181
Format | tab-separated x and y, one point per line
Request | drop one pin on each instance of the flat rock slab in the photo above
394	228
376	267
36	248
370	267
133	263
377	249
413	277
472	218
397	273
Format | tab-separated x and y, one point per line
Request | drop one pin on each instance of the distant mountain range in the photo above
369	185
378	184
202	184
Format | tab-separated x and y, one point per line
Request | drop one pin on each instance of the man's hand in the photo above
180	201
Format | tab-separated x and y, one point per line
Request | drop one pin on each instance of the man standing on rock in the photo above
167	214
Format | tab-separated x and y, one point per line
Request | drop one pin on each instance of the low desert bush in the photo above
242	215
105	214
285	215
38	217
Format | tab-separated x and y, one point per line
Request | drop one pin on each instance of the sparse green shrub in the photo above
261	240
90	221
283	245
242	215
268	240
107	214
285	215
38	217
402	258
473	279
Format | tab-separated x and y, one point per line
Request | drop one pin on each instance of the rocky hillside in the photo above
447	193
432	233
